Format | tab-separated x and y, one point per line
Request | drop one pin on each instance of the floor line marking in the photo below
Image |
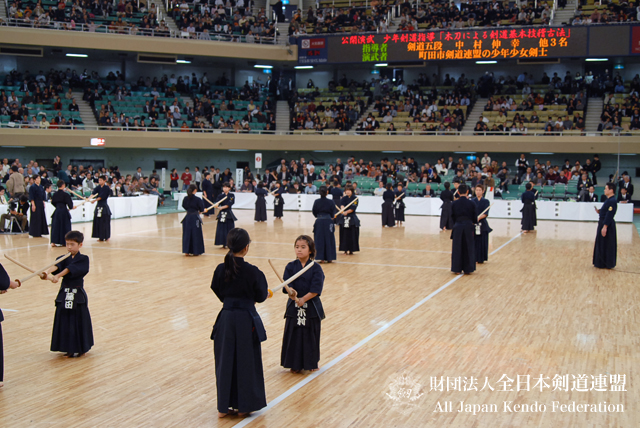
9	310
342	356
505	244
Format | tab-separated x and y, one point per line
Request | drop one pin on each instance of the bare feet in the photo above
456	273
1	384
314	370
295	371
53	245
244	415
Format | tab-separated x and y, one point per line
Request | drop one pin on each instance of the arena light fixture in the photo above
238	150
323	151
542	153
597	59
14	147
262	66
78	55
303	67
382	64
182	61
486	62
392	151
465	153
167	148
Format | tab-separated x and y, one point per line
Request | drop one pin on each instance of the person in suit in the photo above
590	196
606	246
463	213
625	183
624	197
583	185
428	192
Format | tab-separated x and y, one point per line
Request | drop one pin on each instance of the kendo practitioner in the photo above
324	210
261	202
446	222
37	196
349	223
336	192
102	213
72	330
463	254
207	192
5	284
239	330
606	247
388	218
398	204
192	238
304	311
226	219
278	201
61	218
529	218
482	227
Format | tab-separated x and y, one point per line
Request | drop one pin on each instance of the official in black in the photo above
606	247
463	213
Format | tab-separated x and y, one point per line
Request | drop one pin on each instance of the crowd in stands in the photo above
220	20
123	17
605	13
330	19
42	100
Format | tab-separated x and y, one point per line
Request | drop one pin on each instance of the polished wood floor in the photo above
537	307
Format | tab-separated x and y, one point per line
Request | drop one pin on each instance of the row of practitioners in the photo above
61	217
72	331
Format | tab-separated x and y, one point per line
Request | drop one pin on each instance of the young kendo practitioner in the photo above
238	330
61	218
207	192
606	247
102	213
226	218
463	254
261	203
192	237
349	223
72	330
482	227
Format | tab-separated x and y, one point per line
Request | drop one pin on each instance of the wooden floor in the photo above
393	310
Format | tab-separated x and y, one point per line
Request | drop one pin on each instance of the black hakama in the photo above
192	238
398	206
388	218
236	337
226	219
72	330
38	221
261	204
482	238
445	215
606	247
102	214
529	217
61	218
301	340
463	254
324	229
278	204
5	281
349	226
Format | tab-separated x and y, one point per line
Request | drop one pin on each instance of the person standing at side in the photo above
349	223
606	247
304	311
61	218
398	204
482	227
463	254
529	218
388	218
446	222
261	203
226	219
238	330
324	210
5	284
192	238
278	201
72	330
37	196
174	177
102	213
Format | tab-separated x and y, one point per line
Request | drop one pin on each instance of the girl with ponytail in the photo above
238	330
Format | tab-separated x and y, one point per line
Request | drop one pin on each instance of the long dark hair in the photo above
237	240
191	190
323	191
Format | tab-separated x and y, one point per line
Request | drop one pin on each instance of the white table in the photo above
120	208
